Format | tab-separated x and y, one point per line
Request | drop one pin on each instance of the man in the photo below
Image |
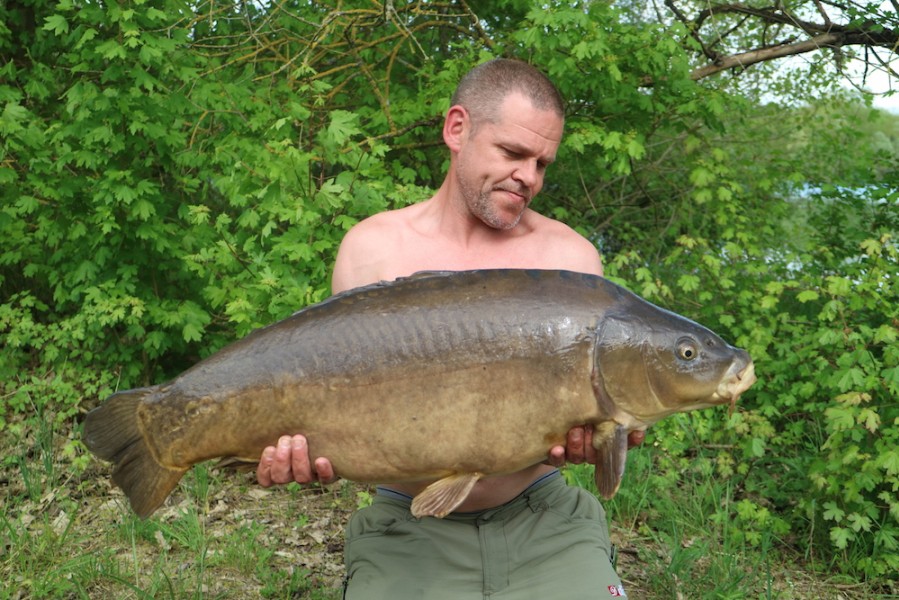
523	535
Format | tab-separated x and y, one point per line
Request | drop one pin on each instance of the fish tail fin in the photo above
112	432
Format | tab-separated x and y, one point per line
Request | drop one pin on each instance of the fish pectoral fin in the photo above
444	495
610	441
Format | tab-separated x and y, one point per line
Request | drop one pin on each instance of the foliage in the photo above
174	175
813	449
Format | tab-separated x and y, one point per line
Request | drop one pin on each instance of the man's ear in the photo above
456	127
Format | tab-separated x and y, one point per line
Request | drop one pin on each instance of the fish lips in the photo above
741	378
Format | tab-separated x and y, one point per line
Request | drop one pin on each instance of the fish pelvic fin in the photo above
610	441
112	432
444	495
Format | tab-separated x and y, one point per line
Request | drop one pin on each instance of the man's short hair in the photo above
483	89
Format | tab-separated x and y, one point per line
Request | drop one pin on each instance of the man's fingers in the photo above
324	471
585	450
289	461
635	438
299	460
280	468
557	456
590	454
575	450
264	468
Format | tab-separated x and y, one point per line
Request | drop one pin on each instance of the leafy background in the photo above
174	175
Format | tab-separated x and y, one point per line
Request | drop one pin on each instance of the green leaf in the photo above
111	49
88	35
342	126
887	538
841	536
12	118
688	283
859	522
702	196
888	460
143	209
701	177
886	334
839	286
891	378
57	24
832	512
840	418
807	296
872	247
768	302
192	332
635	149
870	419
849	379
758	447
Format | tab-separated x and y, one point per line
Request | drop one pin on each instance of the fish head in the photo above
651	363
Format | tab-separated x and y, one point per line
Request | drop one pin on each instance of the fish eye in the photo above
687	349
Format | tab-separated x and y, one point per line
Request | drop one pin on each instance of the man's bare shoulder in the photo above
369	234
540	222
369	250
565	246
381	226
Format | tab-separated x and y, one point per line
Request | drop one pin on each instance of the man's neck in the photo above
446	217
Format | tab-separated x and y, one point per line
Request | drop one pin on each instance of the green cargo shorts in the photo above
550	542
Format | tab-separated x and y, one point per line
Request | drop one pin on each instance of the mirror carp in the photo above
443	376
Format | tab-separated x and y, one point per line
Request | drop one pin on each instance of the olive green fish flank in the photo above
444	377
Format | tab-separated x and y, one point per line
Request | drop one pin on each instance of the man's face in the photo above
500	168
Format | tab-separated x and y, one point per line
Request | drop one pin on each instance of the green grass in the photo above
687	536
65	534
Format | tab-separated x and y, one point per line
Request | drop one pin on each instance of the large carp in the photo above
439	376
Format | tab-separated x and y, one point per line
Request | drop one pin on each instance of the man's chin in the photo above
503	211
504	223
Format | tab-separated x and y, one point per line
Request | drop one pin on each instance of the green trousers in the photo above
550	542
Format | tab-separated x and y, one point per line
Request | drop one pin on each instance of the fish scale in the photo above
441	378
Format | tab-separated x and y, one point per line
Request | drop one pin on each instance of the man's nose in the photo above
527	173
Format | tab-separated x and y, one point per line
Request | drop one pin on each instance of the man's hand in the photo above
579	446
289	461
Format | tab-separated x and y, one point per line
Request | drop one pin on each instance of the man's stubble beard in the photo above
480	205
487	212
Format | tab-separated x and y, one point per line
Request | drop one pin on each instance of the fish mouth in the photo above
731	388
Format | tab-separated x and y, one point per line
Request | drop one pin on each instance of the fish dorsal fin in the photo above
444	495
610	441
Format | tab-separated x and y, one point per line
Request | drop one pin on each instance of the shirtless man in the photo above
503	130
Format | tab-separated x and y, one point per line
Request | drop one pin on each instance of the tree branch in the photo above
694	31
823	12
752	57
823	34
